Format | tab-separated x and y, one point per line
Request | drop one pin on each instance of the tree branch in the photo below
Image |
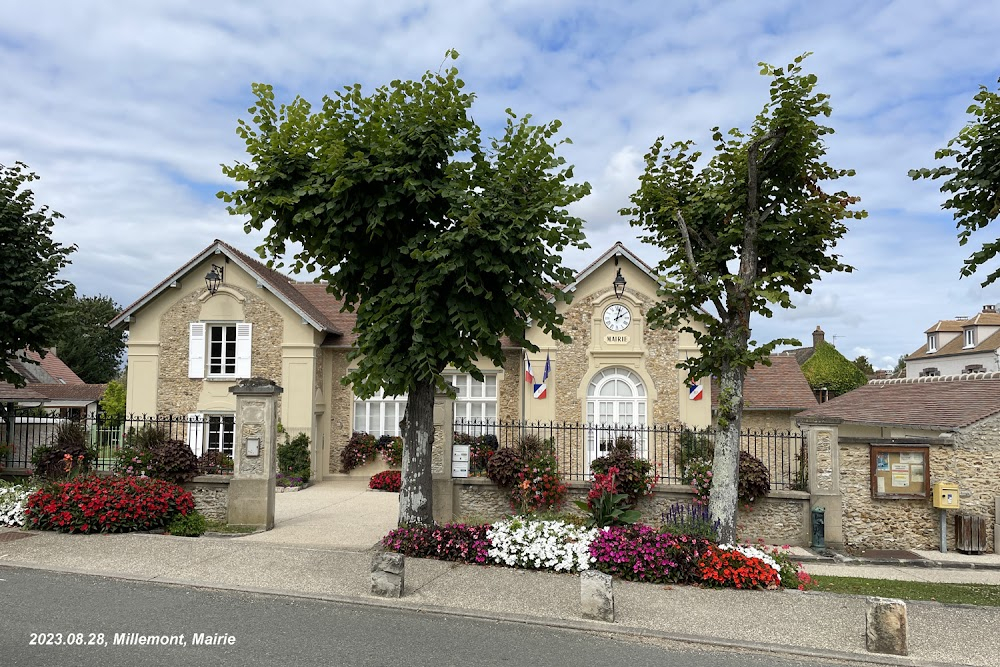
682	224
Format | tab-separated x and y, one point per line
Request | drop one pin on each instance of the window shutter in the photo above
196	350
243	336
196	433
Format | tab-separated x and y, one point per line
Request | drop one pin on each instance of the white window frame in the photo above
475	400
970	337
373	415
605	413
223	360
931	343
224	428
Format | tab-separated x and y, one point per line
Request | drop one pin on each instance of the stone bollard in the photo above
885	626
597	596
387	574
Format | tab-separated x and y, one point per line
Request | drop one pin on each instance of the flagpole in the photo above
524	369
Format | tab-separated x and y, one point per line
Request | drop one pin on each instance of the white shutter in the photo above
243	336
196	350
196	433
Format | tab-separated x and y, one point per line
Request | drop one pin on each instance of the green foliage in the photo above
829	369
690	520
149	451
692	446
294	458
145	438
754	479
113	403
214	462
67	456
971	176
31	297
192	524
864	365
85	342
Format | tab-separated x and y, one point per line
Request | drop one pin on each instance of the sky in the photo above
126	111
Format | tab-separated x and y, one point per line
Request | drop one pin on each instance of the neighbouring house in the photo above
961	345
54	389
828	372
224	315
772	395
890	441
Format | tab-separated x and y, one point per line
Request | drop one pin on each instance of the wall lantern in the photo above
619	282
213	279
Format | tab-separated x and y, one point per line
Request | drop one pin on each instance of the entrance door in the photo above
616	407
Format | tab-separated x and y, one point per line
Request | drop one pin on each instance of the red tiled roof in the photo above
780	386
55	367
70	392
9	392
942	402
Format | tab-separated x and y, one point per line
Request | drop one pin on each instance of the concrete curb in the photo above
563	624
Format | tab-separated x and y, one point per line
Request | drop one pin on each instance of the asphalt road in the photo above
55	619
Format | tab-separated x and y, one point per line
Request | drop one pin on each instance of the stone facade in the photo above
509	387
914	524
768	420
341	403
211	495
178	394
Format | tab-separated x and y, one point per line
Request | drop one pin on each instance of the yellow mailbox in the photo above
946	495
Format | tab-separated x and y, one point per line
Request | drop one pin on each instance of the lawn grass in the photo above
223	527
977	594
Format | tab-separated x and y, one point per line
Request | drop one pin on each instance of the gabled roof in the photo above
950	326
944	402
780	386
9	392
279	284
617	249
55	367
956	347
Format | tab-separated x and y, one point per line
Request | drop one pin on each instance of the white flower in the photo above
13	500
553	545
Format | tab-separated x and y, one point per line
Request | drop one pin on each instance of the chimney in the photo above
818	337
989	308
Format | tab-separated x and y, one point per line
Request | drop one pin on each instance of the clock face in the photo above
617	317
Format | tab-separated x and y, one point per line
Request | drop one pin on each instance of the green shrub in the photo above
214	462
67	456
754	478
173	461
293	457
830	370
691	520
192	524
145	438
692	445
504	467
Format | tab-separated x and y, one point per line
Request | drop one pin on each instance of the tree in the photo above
830	370
899	371
86	344
741	234
31	297
863	365
972	178
440	244
113	402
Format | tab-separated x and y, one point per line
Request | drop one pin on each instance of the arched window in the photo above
616	407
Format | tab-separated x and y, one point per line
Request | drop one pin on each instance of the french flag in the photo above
694	391
528	376
540	388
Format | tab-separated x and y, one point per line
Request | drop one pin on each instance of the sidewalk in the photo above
319	550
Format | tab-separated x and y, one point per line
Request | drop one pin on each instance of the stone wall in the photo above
178	394
781	518
767	420
211	495
341	402
509	389
971	462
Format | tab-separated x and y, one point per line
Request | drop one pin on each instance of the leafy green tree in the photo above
87	344
830	370
863	365
441	244
742	233
899	370
972	178
113	402
31	297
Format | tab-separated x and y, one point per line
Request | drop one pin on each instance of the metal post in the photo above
944	530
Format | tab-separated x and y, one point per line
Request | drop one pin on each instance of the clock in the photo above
617	317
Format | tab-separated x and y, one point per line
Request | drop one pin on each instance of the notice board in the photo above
900	472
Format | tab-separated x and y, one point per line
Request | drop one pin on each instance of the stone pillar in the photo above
597	596
251	491
885	626
388	574
444	435
823	442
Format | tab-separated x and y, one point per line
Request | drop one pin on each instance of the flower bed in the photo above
106	505
387	480
636	553
13	500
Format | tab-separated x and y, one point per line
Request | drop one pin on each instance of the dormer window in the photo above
970	337
931	343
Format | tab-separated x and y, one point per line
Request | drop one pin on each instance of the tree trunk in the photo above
725	470
415	506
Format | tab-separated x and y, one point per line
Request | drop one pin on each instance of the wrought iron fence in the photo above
671	449
28	430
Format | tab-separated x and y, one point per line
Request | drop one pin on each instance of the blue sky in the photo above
126	110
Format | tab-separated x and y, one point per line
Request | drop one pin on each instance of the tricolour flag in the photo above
540	388
528	376
694	391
